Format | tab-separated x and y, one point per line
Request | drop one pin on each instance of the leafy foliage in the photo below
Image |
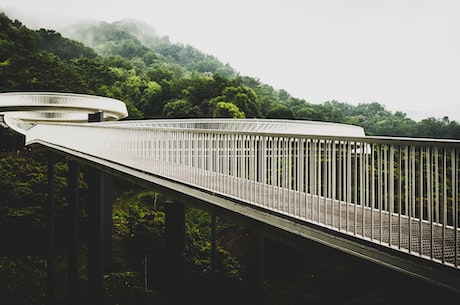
23	280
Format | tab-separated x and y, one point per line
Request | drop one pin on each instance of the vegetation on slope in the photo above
157	78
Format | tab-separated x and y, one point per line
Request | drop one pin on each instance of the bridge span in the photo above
393	201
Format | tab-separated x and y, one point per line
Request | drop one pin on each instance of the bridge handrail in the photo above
138	125
251	125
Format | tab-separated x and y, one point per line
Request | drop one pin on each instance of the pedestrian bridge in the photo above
394	201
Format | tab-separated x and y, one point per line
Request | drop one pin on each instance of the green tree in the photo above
244	98
228	110
177	109
279	111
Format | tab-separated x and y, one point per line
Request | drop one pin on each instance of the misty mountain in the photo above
157	79
18	38
102	36
131	39
43	60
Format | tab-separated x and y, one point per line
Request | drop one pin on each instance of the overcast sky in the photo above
404	54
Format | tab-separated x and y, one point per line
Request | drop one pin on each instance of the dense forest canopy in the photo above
129	61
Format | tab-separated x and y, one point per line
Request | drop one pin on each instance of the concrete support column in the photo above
50	215
100	222
175	247
74	213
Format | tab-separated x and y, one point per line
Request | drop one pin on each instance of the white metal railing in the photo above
398	192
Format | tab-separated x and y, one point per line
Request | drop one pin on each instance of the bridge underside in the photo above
281	227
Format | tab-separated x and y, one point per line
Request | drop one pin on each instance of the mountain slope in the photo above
156	78
43	60
131	38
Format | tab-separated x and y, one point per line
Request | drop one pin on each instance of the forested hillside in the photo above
131	37
157	78
127	60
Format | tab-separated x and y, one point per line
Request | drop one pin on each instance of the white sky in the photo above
404	54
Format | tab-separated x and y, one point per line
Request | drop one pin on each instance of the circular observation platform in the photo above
59	107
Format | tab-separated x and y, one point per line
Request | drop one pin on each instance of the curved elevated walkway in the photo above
394	201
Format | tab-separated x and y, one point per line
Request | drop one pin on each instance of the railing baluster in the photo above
429	195
254	166
372	189
325	180
344	201
421	203
380	193
278	171
399	194
413	194
391	193
362	185
300	180
444	205
318	187
455	207
312	180
355	187
333	181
